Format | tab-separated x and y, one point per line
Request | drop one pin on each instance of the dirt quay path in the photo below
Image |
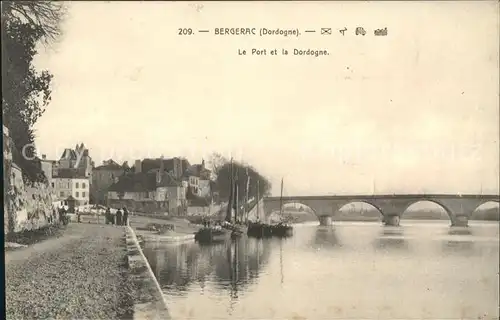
80	275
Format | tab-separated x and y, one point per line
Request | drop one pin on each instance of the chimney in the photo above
159	174
138	166
203	163
44	157
175	167
162	165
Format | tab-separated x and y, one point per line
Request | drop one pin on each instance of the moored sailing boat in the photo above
212	234
217	233
258	229
282	229
232	221
240	227
241	222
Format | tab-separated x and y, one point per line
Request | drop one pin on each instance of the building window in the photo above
53	185
77	185
61	194
77	194
83	185
83	194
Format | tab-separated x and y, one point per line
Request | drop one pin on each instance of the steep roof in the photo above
68	154
168	180
198	170
109	165
72	154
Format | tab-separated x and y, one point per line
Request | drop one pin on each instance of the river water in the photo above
350	271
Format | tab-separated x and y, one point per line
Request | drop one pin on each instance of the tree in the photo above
216	162
26	92
223	181
126	168
46	15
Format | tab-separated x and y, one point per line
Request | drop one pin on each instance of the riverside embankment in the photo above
80	275
89	271
148	299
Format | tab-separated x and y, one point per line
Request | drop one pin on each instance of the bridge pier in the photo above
460	221
325	220
391	220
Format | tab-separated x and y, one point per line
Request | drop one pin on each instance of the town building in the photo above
47	167
103	177
175	166
154	191
197	177
71	182
77	158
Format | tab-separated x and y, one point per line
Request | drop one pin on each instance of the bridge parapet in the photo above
387	205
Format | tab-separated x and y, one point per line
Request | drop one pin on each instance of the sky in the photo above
415	111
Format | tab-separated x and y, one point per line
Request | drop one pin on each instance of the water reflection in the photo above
326	237
459	240
231	265
245	280
459	246
391	238
461	231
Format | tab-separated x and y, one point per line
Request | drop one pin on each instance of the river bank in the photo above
81	274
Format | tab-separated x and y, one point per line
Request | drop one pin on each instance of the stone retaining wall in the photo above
149	302
26	207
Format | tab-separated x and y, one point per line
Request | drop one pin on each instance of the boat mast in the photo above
246	195
258	201
230	201
236	195
281	200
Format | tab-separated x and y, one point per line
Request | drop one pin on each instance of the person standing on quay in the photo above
107	215
62	216
125	216
119	217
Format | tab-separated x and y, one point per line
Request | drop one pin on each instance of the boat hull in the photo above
239	231
209	235
282	231
259	230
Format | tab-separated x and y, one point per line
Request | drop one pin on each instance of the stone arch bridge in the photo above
391	207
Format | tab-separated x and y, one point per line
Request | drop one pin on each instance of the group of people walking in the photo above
120	218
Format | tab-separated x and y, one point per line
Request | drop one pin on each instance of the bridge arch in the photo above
298	206
354	212
447	210
427	213
488	210
294	208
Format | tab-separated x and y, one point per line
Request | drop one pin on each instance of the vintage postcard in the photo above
251	160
